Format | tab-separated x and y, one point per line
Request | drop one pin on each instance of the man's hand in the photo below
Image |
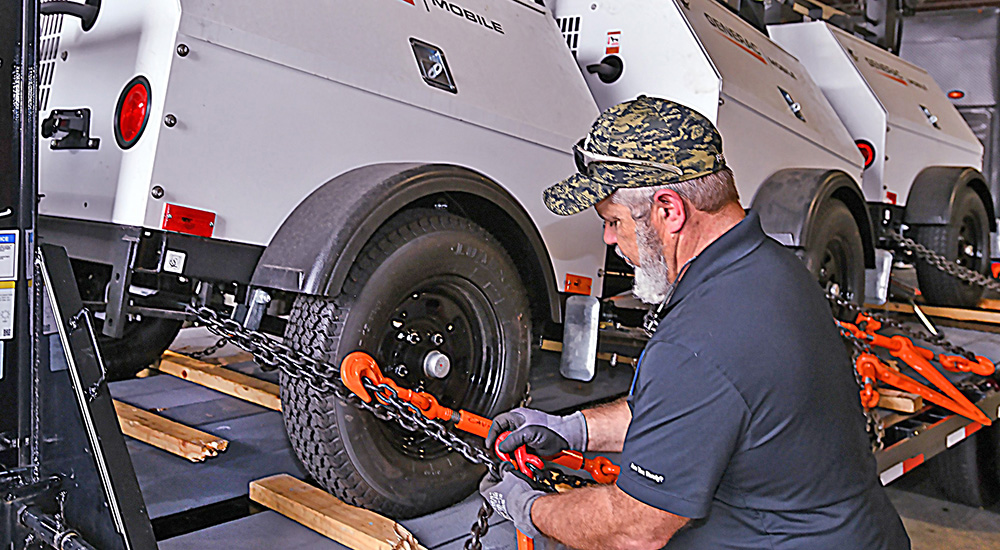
512	498
544	434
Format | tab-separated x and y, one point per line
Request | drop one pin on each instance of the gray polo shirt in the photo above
745	411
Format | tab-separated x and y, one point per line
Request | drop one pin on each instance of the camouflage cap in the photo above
645	129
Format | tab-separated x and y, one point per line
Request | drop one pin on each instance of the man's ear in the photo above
669	210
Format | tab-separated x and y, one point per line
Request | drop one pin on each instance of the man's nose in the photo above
610	237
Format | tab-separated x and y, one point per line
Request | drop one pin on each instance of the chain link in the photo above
480	527
324	378
219	344
874	425
942	263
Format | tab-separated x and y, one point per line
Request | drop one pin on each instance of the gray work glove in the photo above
544	434
512	498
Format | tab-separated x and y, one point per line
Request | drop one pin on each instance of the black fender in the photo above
789	199
934	191
313	250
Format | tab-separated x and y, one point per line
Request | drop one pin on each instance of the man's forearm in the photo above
603	517
606	426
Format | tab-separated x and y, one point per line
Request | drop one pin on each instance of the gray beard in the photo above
652	281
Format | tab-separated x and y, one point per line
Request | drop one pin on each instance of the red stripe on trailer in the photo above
911	463
972	428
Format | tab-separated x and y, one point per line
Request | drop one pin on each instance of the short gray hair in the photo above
707	193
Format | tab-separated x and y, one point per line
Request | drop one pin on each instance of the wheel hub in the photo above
436	364
441	339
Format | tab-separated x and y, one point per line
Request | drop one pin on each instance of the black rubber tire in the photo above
142	343
834	252
966	473
348	451
938	287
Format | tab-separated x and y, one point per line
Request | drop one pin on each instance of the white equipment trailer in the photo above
368	175
923	164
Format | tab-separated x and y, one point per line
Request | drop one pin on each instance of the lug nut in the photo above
437	339
401	370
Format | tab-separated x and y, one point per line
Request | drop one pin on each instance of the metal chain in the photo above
219	344
874	425
935	340
480	527
942	263
324	378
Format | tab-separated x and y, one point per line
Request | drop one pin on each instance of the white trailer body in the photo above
275	99
770	113
893	105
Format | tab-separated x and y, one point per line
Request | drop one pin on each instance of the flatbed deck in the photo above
197	504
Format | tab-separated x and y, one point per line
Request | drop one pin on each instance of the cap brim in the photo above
579	192
576	194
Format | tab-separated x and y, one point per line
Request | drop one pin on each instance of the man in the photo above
743	428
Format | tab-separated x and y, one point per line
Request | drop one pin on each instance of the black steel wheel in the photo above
965	240
428	286
834	253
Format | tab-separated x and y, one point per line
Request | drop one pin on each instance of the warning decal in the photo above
614	42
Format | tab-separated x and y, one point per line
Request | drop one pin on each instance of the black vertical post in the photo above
18	192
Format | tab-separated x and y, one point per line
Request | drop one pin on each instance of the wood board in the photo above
221	379
162	433
320	511
899	400
552	345
954	313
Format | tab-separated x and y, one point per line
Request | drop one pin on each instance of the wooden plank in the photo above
958	314
989	304
552	345
162	433
320	511
899	401
221	379
240	357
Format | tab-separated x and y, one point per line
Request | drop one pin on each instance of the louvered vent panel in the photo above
570	28
48	53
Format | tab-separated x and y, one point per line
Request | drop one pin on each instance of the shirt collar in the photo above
740	240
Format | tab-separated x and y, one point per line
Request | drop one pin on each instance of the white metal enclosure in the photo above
700	54
275	99
886	101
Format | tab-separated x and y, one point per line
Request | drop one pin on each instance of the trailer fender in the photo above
313	250
933	194
789	199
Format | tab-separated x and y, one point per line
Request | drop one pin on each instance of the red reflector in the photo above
132	112
578	284
188	220
956	94
867	150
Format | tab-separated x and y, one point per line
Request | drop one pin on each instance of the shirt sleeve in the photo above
687	423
